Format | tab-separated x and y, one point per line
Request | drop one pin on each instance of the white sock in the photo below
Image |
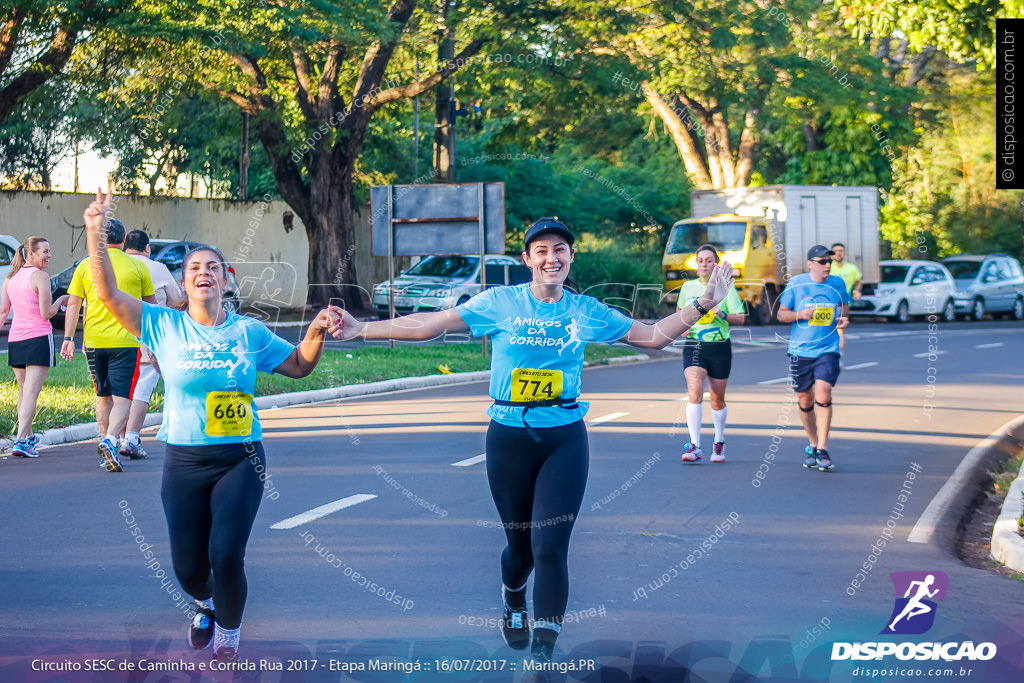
132	438
111	438
718	416
225	637
205	604
694	416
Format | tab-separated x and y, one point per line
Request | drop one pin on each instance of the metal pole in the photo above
391	256
483	248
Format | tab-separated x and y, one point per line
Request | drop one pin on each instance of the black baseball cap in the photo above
115	231
544	226
819	250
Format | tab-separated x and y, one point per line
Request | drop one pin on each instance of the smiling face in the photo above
204	275
40	256
549	257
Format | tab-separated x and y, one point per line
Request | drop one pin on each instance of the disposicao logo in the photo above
914	614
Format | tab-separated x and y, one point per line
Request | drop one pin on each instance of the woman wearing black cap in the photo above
537	451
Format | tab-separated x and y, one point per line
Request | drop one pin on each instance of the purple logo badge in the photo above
916	592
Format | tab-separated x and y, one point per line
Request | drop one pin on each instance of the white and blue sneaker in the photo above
810	457
108	456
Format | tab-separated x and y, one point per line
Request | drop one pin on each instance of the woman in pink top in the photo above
30	346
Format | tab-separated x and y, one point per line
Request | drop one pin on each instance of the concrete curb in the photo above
1007	544
947	509
89	430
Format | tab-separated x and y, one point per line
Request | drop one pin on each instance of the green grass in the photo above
67	397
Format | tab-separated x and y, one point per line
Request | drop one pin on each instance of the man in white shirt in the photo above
167	292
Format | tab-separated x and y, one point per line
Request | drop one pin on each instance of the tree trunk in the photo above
685	139
332	239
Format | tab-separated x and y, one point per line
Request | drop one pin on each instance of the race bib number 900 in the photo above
823	315
228	413
535	385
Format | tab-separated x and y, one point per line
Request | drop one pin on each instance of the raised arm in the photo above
665	331
415	327
126	308
307	354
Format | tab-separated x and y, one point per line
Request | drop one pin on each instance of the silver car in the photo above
987	284
440	282
908	288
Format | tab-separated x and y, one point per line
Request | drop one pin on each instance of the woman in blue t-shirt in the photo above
214	467
537	452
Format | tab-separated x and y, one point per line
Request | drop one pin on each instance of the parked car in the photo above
8	247
908	288
171	253
987	284
440	282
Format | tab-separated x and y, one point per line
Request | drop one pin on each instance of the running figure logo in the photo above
914	613
574	337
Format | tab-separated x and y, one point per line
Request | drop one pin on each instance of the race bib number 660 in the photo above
535	385
228	413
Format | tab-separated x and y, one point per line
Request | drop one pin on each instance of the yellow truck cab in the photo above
743	241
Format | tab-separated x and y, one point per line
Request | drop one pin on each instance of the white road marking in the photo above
323	511
605	418
860	365
989	346
929	353
470	461
778	380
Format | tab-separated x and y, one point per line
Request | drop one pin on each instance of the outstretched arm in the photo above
126	308
665	331
415	327
307	354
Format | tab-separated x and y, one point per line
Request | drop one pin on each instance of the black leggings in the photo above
538	489
211	495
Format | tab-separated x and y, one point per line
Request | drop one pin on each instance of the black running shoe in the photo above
200	631
543	649
515	628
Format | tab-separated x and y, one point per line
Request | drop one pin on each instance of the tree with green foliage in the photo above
965	30
37	39
312	76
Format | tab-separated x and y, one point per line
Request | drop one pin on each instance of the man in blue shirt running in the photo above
818	305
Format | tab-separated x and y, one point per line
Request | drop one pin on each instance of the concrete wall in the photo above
268	259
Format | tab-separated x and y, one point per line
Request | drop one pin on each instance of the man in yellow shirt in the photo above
850	274
112	351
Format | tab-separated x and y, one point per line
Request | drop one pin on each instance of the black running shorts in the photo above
114	371
34	351
713	356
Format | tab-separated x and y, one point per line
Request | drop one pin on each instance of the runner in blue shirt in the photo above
214	470
537	452
817	304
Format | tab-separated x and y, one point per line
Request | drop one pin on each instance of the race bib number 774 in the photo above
535	385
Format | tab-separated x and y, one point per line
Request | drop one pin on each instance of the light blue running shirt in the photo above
538	348
210	374
818	336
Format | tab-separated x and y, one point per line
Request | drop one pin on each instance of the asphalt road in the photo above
706	567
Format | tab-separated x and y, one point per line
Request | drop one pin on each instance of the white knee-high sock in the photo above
694	416
718	416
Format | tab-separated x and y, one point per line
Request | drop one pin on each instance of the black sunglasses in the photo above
822	261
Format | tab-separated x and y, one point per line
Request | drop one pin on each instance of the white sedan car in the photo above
8	247
908	288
